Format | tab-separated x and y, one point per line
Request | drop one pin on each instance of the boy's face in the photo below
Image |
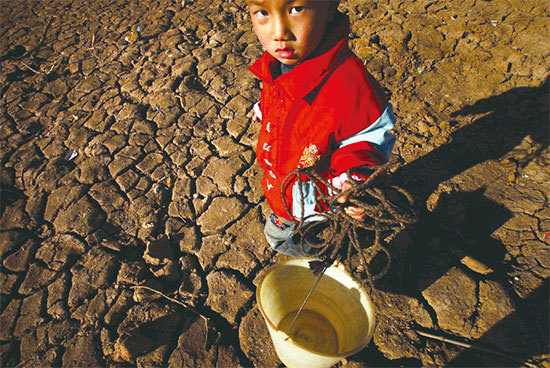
290	29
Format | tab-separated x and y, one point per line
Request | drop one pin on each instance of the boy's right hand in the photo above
356	213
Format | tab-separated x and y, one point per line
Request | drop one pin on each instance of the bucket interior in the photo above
337	298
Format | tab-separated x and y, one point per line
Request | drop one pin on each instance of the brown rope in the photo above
337	236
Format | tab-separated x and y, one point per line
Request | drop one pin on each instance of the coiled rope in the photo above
336	236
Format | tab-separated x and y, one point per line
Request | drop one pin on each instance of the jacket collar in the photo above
333	50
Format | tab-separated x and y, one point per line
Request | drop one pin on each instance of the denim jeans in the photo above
281	238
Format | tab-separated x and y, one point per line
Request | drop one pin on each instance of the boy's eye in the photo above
296	9
261	13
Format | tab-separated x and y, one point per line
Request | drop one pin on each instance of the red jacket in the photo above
308	111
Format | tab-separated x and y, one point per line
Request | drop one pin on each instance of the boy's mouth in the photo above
285	53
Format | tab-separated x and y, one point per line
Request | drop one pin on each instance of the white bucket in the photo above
337	320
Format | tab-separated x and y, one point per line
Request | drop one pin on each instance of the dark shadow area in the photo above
510	117
459	226
9	194
461	223
522	335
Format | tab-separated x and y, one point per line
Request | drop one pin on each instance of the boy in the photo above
319	107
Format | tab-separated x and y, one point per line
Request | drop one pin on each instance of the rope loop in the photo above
335	236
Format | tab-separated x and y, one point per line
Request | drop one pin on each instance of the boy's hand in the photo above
255	118
257	113
352	211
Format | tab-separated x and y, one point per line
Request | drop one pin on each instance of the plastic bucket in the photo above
337	321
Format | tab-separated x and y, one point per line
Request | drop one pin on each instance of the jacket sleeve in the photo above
371	146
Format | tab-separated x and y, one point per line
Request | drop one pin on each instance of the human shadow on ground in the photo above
509	118
462	222
461	225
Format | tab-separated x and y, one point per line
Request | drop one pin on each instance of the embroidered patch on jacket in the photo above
310	156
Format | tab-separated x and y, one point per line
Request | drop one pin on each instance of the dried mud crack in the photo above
127	154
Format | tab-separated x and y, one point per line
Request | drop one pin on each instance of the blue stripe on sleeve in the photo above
377	133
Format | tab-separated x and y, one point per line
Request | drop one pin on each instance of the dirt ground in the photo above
128	165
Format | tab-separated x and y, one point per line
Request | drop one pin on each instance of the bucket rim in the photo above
301	261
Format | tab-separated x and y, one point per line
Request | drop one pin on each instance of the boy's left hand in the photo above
352	211
256	118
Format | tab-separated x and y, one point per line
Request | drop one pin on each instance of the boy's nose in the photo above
280	29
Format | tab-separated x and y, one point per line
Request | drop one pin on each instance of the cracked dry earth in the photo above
154	100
